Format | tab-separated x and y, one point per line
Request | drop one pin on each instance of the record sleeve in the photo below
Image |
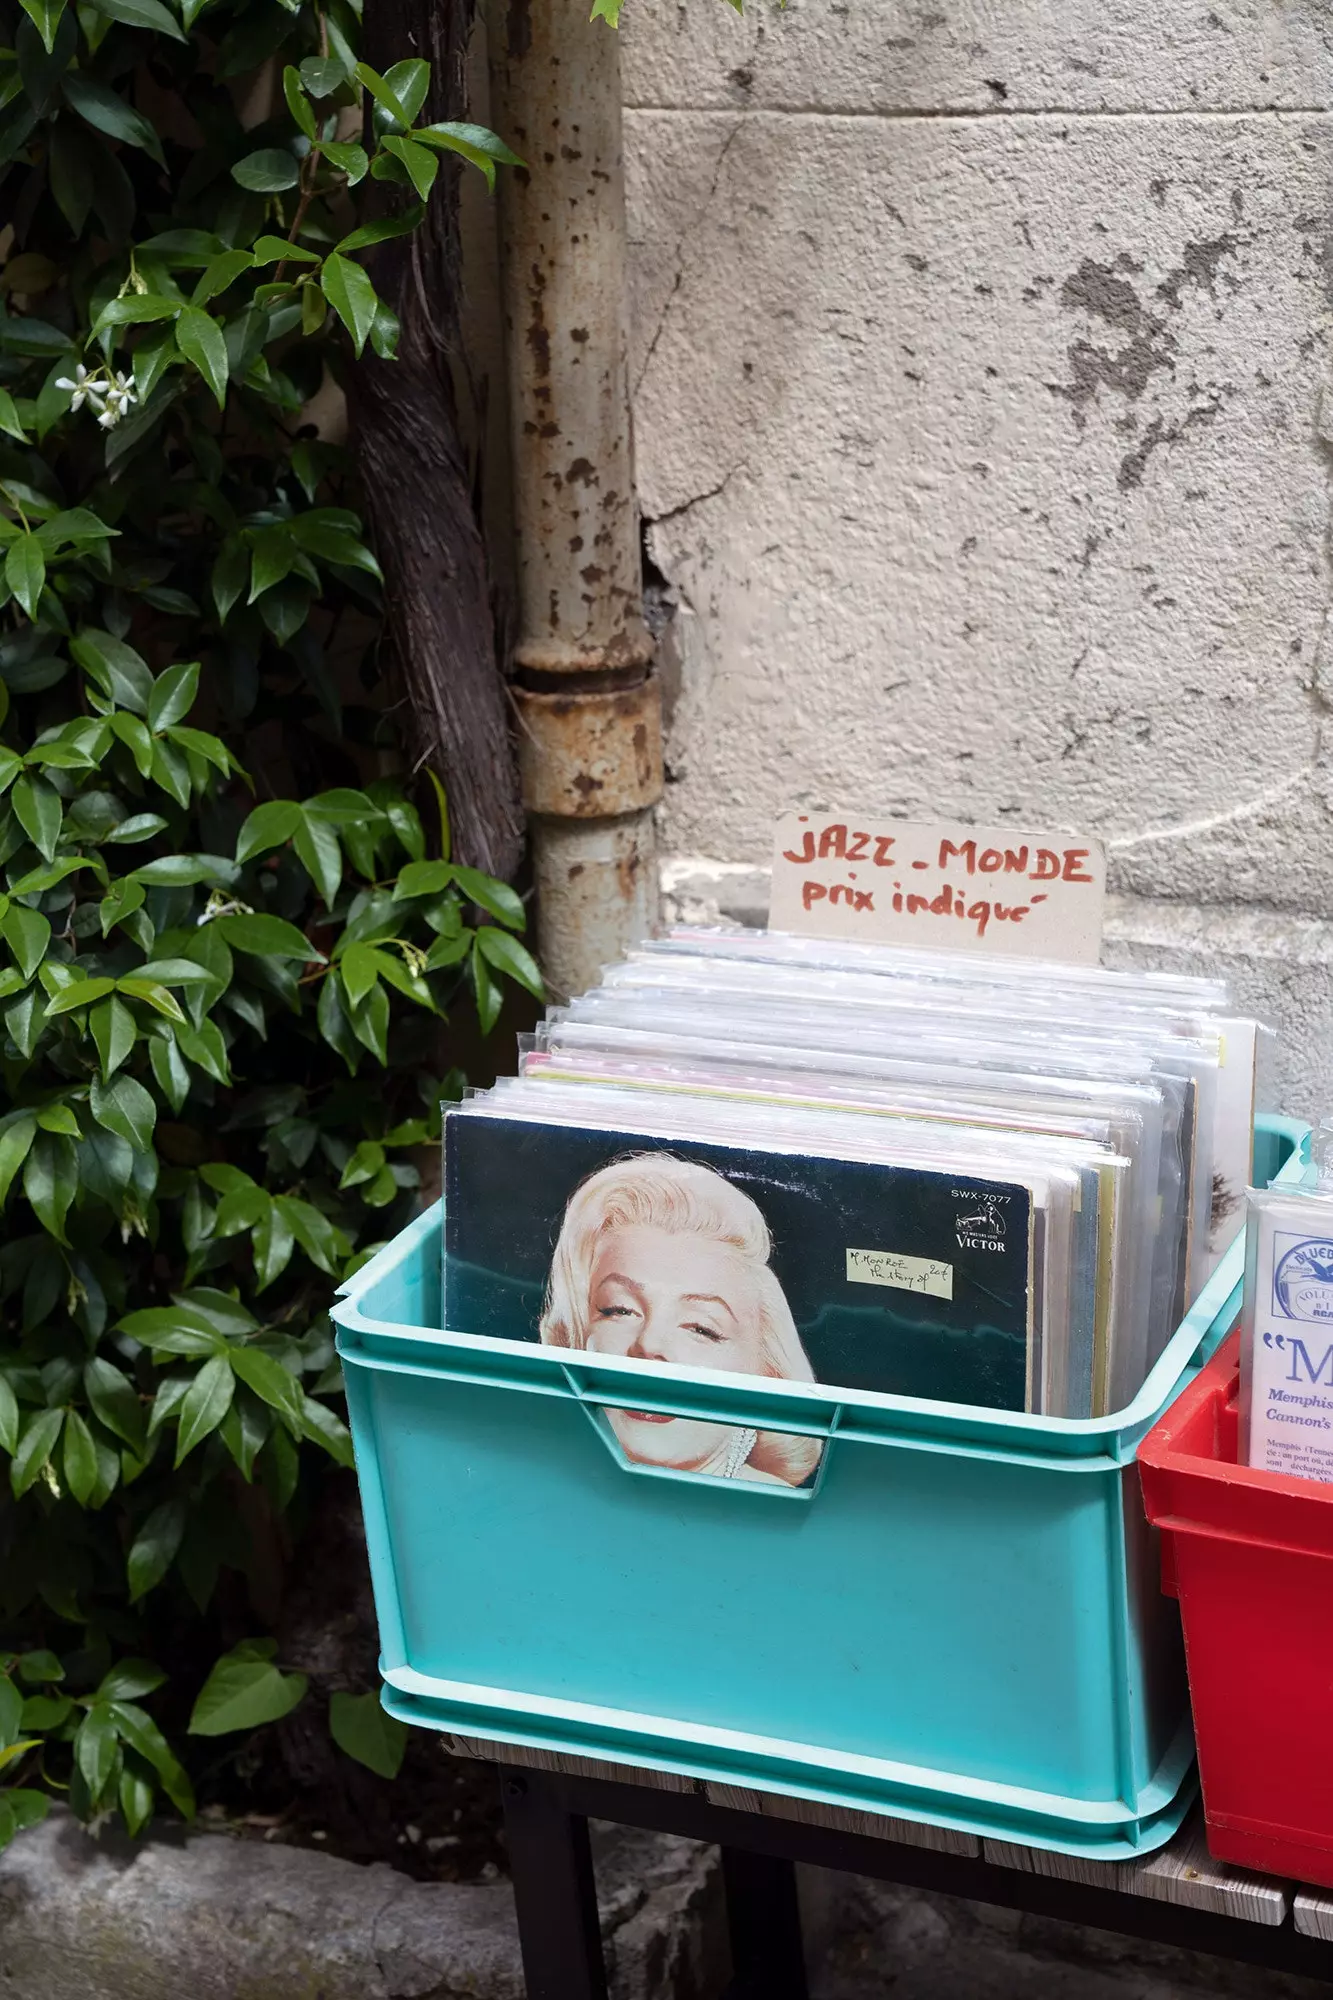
769	1263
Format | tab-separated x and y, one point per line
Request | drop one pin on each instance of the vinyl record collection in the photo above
994	1182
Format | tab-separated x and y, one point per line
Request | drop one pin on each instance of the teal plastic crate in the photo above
960	1623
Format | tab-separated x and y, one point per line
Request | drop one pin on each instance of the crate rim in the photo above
1160	1453
1160	1793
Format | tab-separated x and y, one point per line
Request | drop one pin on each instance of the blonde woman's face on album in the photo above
685	1300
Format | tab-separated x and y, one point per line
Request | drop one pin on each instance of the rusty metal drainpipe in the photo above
589	704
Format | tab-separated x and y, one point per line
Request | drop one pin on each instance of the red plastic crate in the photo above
1249	1554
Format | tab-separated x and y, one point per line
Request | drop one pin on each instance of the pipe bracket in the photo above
629	654
591	755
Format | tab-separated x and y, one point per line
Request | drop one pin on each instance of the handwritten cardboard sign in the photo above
939	884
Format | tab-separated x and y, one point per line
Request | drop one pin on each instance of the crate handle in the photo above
763	1451
1221	1323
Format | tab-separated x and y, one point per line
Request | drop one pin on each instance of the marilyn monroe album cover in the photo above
769	1264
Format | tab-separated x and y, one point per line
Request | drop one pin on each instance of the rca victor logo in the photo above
982	1227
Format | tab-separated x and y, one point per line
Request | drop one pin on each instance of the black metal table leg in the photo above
547	1815
764	1923
554	1892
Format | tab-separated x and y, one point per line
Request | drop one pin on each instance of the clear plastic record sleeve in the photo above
661	1249
1146	1258
970	1244
963	1018
1087	1287
1285	1406
1090	985
915	1172
1173	1008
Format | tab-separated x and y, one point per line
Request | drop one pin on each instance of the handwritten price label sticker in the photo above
940	884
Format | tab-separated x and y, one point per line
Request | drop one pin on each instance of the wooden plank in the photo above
1312	1913
843	1819
558	1760
1186	1874
1183	1872
1061	1867
740	1798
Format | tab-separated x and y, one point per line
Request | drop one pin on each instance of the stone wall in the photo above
978	359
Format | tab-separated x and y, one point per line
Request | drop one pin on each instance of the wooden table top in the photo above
1183	1872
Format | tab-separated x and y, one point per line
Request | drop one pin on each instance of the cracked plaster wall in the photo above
978	356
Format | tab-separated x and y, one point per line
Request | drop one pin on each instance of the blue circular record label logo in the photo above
1303	1280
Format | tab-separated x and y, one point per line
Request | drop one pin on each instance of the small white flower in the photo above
119	400
80	385
110	395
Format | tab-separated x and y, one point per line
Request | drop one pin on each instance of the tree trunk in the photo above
415	479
